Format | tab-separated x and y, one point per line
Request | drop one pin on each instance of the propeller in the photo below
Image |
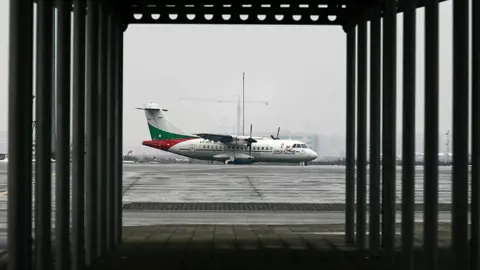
250	140
278	132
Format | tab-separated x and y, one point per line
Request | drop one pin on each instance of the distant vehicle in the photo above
128	162
3	158
230	149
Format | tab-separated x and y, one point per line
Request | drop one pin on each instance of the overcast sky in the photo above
299	70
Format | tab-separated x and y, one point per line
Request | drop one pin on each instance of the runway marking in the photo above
192	170
337	233
253	186
130	186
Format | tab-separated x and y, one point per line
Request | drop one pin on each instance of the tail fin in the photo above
160	128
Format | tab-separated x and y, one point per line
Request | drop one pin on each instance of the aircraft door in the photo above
192	148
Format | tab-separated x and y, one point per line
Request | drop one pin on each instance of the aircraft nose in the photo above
313	155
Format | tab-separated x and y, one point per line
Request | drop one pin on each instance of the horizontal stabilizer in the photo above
152	107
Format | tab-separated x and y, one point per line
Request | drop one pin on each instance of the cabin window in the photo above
262	148
271	148
204	146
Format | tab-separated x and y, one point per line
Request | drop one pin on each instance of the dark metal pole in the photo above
408	155
28	109
119	135
475	216
43	139
78	154
362	134
110	132
20	134
430	225
389	127
92	131
350	143
102	122
62	166
460	135
54	84
375	73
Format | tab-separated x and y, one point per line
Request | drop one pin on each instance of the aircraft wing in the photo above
216	137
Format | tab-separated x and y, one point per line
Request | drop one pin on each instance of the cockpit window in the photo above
299	146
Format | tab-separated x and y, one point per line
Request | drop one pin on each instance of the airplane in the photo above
230	149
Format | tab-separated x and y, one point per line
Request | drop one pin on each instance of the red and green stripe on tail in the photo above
164	140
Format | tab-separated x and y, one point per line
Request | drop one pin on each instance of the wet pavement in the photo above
185	196
252	247
258	183
176	190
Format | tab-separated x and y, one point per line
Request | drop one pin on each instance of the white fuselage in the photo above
266	150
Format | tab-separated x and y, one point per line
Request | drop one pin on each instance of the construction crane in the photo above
239	107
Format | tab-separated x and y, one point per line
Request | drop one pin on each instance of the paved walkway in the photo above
247	247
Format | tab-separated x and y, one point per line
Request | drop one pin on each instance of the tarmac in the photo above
216	194
159	197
